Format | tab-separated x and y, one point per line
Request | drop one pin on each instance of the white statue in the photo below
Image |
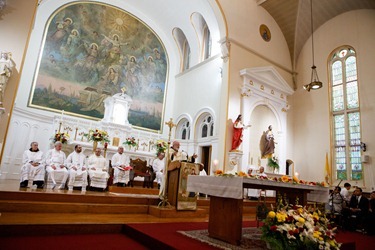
6	66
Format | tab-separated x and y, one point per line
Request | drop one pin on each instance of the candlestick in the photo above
75	135
60	126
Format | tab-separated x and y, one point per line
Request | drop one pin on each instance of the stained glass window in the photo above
346	115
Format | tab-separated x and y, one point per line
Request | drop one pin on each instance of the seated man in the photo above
357	210
253	194
33	167
77	170
370	220
158	166
120	163
55	166
97	170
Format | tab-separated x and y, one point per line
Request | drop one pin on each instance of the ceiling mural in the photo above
93	51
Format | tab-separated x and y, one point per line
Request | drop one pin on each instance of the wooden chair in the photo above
141	169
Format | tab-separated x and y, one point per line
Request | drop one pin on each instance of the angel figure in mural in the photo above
72	44
6	66
114	52
238	128
61	30
267	145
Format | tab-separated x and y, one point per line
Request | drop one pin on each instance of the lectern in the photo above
177	193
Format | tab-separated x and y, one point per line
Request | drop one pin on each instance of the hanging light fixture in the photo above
315	83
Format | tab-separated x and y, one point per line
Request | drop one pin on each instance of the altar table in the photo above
226	200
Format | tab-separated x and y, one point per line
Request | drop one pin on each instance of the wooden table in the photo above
226	200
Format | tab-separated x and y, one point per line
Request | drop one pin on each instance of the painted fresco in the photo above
93	51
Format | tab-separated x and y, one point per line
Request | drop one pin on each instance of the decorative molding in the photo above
225	48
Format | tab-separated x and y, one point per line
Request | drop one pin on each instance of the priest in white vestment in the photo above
158	165
175	154
97	170
121	165
253	194
55	166
77	169
33	168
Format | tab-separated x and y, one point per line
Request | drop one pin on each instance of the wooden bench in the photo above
141	169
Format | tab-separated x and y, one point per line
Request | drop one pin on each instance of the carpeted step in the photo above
69	207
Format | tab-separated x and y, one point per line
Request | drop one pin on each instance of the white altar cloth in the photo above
232	187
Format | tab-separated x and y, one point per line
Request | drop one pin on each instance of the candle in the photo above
62	115
216	162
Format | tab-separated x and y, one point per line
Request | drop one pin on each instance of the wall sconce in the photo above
363	146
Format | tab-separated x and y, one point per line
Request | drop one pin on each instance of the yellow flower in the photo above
218	172
295	179
280	217
242	174
301	220
284	178
271	214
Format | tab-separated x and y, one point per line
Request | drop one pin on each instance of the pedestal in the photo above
235	161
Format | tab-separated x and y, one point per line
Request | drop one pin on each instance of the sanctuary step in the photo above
119	204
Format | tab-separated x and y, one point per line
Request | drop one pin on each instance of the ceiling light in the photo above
315	83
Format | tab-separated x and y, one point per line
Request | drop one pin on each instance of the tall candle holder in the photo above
164	197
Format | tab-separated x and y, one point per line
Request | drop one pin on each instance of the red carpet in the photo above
152	235
63	242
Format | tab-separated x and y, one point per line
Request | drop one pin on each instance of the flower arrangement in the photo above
161	146
297	227
98	135
62	137
273	163
130	141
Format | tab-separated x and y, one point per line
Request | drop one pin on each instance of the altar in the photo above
226	200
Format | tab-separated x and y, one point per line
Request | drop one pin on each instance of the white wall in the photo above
311	116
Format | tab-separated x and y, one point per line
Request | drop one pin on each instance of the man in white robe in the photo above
55	166
77	169
253	194
175	154
33	167
158	166
97	170
120	163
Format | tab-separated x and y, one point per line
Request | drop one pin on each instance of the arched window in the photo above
183	130
207	42
207	126
186	57
346	116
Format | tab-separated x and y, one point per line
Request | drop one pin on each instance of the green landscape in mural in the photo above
93	51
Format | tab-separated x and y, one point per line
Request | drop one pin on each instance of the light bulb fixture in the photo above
315	83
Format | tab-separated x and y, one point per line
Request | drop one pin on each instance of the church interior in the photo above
145	72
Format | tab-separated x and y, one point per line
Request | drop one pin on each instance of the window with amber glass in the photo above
346	116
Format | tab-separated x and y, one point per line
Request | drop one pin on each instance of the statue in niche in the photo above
267	145
6	66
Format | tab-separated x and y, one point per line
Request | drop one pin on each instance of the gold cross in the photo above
123	90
